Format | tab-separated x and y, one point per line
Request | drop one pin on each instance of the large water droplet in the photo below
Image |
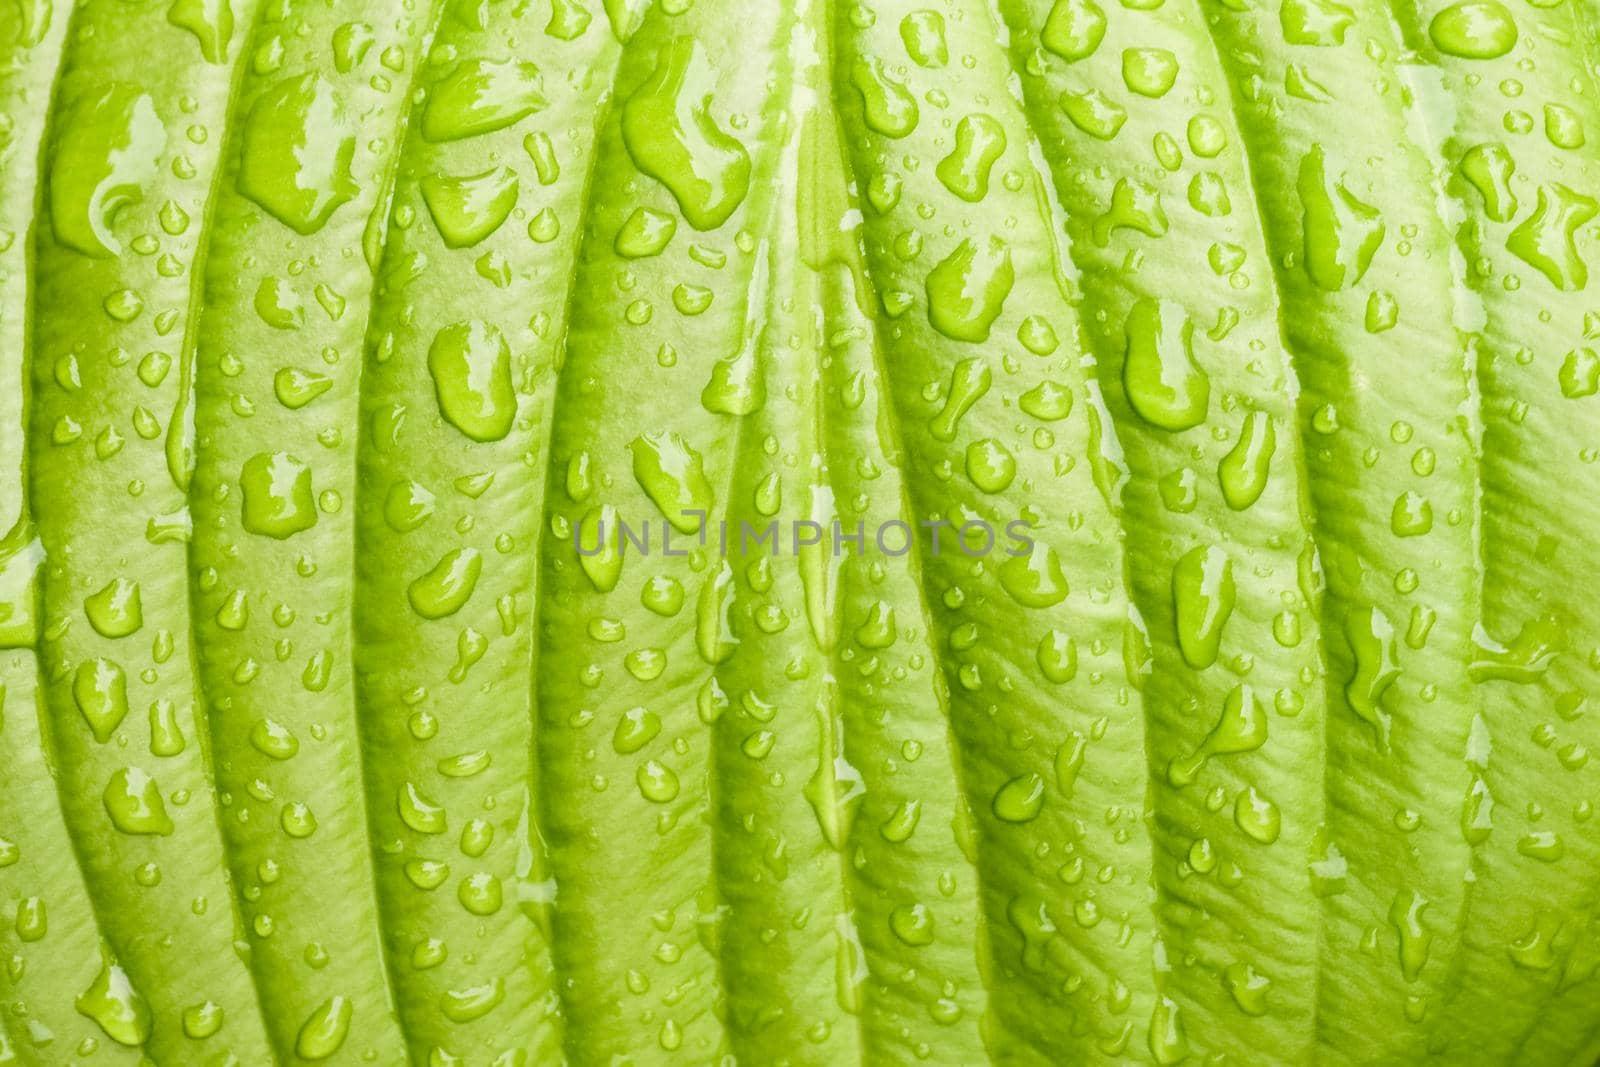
1243	472
1372	642
1474	29
116	610
922	32
969	381
325	1029
599	544
1257	816
1034	579
471	367
1149	71
1241	728
673	475
277	495
1488	168
968	289
468	208
298	146
211	22
1203	595
1546	239
100	689
888	106
446	588
481	96
1073	29
1341	233
106	153
645	233
980	141
133	800
1020	800
671	135
1164	383
1405	915
115	1005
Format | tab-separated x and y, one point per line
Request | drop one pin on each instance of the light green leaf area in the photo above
633	532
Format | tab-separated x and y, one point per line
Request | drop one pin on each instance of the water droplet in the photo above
116	610
1149	71
1474	29
471	367
1341	232
1034	579
657	782
671	135
968	289
990	465
446	588
1248	987
1546	239
115	1005
418	812
980	141
1135	205
277	495
899	827
713	628
1257	816
1580	373
922	32
325	1029
888	106
1093	112
1243	472
480	893
211	22
468	208
297	820
1163	382
100	689
202	1020
663	595
599	544
481	96
636	728
1073	29
1020	800
1372	643
1048	401
645	233
1057	656
969	381
913	924
279	305
1168	1044
274	740
298	146
1203	595
407	506
133	800
106	154
1241	728
1543	845
1563	126
465	1005
1405	915
1488	168
1315	22
673	475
